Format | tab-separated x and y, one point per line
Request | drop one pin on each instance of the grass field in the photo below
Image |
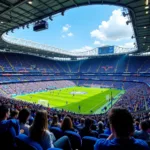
91	98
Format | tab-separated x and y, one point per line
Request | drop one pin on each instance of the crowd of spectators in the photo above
121	129
135	99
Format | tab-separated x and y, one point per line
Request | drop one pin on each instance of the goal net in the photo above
43	102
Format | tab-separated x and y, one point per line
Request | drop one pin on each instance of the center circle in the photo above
78	93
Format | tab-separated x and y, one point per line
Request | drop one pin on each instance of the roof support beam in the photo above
46	5
89	2
75	3
37	9
60	4
3	4
14	6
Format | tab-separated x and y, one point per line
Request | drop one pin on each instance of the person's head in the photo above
121	122
88	123
55	120
67	124
100	125
14	114
144	125
39	126
4	112
24	115
82	121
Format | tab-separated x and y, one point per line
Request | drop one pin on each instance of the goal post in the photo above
107	97
43	102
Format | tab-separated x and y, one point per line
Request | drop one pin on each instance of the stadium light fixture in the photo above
132	37
62	13
28	26
124	14
145	27
128	22
30	2
51	18
146	2
144	37
146	7
147	12
2	22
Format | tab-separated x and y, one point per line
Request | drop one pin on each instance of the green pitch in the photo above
89	99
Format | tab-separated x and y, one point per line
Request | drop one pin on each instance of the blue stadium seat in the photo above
57	132
88	143
23	142
95	133
74	138
104	136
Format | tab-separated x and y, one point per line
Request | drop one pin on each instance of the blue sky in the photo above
83	28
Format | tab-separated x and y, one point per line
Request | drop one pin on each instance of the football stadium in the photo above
74	74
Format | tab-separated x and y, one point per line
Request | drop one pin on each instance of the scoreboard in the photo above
106	50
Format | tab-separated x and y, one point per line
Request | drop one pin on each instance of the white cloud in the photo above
70	34
114	29
97	43
66	28
85	48
128	45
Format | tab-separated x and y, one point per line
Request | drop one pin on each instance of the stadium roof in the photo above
20	13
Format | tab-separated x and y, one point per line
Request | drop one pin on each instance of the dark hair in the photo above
122	122
14	113
39	126
88	123
66	124
144	125
23	115
82	120
55	120
3	111
100	126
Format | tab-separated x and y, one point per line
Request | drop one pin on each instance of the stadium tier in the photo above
10	62
24	74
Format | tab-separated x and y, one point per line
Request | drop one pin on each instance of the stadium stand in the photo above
22	74
126	126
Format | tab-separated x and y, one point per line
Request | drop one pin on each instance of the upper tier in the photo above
10	62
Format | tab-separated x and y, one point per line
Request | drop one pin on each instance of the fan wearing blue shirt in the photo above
121	125
8	128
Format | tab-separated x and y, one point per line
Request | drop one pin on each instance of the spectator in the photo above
23	118
82	124
6	128
14	114
137	125
107	129
39	132
100	127
55	121
121	124
143	134
67	124
86	131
